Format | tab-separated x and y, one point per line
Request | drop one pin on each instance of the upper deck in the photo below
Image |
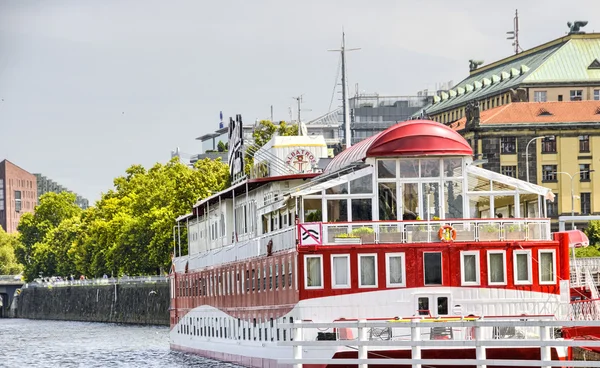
401	186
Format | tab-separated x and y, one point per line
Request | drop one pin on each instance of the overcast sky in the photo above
92	87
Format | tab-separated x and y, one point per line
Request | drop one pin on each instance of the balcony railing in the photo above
468	230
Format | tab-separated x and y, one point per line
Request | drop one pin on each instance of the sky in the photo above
89	88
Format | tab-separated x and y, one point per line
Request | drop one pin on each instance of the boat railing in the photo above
522	331
585	310
462	230
50	282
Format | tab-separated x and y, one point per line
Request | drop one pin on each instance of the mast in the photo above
345	106
514	34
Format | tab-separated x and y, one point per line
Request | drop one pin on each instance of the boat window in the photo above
478	184
431	195
423	306
337	210
386	169
367	268
547	266
504	205
410	201
442	305
387	201
469	264
409	168
453	167
361	209
362	185
497	267
453	205
430	168
395	270
522	264
432	268
340	277
479	206
338	189
314	272
529	205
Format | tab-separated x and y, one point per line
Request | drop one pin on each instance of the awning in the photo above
577	239
317	187
519	184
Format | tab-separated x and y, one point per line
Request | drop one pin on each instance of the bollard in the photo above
362	337
297	340
415	335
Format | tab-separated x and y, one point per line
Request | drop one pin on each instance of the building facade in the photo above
46	185
553	144
18	194
565	69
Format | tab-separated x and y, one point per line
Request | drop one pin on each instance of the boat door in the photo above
434	305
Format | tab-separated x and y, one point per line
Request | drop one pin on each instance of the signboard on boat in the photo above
301	159
310	234
236	142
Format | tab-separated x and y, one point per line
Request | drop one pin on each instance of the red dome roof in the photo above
410	138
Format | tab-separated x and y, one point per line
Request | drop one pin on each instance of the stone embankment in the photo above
136	303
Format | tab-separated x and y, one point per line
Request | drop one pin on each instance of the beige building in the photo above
565	69
564	148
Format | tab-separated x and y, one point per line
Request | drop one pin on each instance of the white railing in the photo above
427	231
54	282
282	239
517	333
585	310
589	263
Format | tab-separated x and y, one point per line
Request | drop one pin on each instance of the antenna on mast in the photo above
514	34
343	50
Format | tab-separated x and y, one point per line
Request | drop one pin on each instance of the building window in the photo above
552	207
469	267
597	94
522	264
395	269
549	144
584	143
367	268
584	172
497	267
576	94
560	97
1	194
432	268
509	171
549	172
547	266
508	145
540	96
314	272
340	277
18	203
586	203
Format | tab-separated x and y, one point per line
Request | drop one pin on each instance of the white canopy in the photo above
519	184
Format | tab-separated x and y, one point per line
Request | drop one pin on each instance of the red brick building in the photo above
18	194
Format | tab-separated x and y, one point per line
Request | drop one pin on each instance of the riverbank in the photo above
135	303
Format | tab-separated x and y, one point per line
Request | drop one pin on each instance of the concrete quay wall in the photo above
142	303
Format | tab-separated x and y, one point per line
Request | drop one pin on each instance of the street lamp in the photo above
527	155
573	194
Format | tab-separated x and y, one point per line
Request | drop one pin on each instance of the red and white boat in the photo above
401	224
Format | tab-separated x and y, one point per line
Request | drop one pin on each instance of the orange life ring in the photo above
443	235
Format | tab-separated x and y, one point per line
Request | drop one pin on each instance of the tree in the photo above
593	232
221	147
8	260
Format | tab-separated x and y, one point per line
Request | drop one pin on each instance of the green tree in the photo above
593	232
8	260
591	251
221	147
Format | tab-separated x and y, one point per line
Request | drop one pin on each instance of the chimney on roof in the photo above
472	115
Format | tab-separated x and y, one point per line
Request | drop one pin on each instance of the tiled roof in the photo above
538	112
563	60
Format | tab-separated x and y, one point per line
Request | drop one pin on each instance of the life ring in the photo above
445	231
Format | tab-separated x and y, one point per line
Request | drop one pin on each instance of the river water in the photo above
33	343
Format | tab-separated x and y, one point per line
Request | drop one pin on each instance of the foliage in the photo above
314	216
593	232
357	233
8	260
489	228
129	231
221	147
591	251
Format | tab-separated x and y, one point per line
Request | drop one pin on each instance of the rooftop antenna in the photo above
271	113
514	34
343	51
299	100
